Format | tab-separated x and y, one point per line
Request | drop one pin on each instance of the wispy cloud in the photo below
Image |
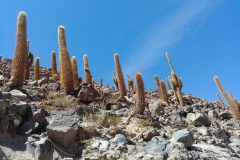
167	33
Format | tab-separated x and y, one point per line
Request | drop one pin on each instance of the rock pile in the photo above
92	124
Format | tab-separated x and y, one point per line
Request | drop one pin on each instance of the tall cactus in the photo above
230	100
121	84
36	69
157	85
87	73
54	64
130	83
75	72
163	91
65	62
29	63
140	106
20	54
221	101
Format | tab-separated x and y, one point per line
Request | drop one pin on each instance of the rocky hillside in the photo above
41	122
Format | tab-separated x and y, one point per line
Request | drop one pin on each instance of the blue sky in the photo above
202	38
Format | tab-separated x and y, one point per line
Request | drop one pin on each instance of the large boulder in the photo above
183	136
63	127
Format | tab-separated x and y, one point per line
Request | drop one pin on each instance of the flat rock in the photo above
156	145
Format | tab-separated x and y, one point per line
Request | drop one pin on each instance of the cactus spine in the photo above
54	65
231	102
163	92
87	73
65	62
120	78
75	72
20	53
157	85
36	69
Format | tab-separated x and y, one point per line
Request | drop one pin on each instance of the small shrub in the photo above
114	120
145	122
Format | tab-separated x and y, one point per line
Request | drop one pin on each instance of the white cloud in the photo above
167	33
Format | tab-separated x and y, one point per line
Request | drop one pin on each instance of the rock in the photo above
28	128
225	114
183	136
63	127
21	108
156	145
53	86
18	94
3	106
113	95
86	92
212	114
203	131
86	109
38	115
121	139
39	149
156	109
198	119
7	128
149	134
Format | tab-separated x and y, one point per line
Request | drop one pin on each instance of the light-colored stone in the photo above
18	95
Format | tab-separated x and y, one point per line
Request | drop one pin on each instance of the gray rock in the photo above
183	136
28	128
21	108
63	127
156	145
18	94
38	115
212	114
3	105
225	114
7	128
53	86
39	149
149	134
121	139
198	119
156	109
86	92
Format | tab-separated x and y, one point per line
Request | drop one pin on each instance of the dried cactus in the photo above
65	62
120	78
75	72
20	54
163	91
157	85
54	64
130	83
221	101
168	83
230	100
115	80
36	69
140	106
87	73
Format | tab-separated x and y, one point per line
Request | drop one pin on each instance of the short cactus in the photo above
130	83
221	101
168	83
100	81
20	54
54	64
87	73
120	78
163	91
230	100
55	77
115	80
65	63
75	72
157	85
36	69
29	63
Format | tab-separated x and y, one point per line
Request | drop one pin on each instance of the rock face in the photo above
183	136
63	127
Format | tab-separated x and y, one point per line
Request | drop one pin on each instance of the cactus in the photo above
55	77
140	106
93	82
75	72
54	64
130	84
36	69
231	102
29	63
65	63
80	80
120	78
20	54
168	83
87	73
163	91
176	83
157	85
115	80
100	81
221	101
